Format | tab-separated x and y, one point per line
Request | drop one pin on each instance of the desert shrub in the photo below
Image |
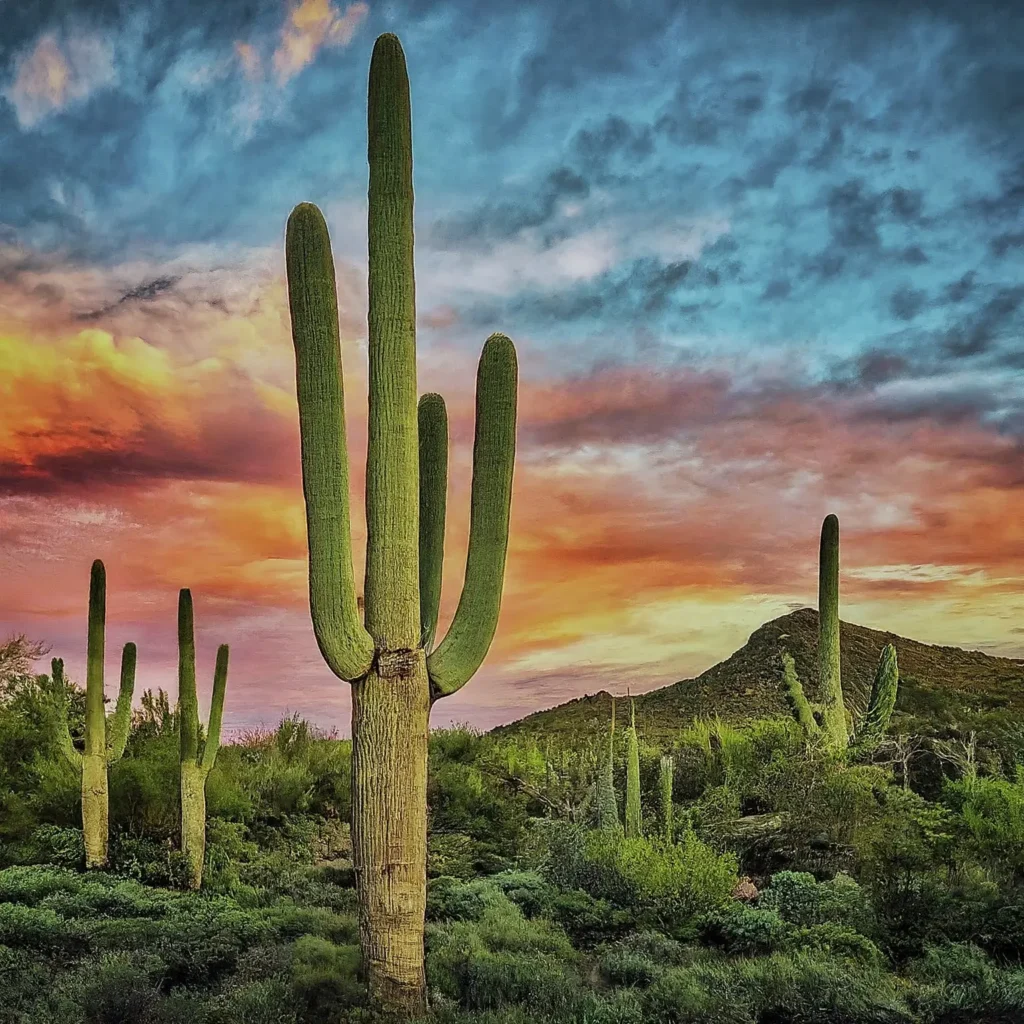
325	976
958	984
745	930
589	921
799	898
456	899
30	927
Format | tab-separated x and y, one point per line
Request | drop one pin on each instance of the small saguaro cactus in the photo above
388	653
634	815
666	767
830	686
197	754
830	725
606	803
105	738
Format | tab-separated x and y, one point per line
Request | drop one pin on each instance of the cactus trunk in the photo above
95	827
830	687
193	821
389	831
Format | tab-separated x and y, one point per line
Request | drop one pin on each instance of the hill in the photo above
941	688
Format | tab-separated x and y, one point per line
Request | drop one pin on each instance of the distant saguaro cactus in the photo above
388	655
606	803
105	738
666	768
197	755
830	686
634	815
830	726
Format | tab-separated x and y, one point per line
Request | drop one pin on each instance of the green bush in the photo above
325	976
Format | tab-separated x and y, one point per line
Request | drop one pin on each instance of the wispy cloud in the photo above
58	72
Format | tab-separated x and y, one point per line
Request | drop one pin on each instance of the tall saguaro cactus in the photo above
196	757
634	815
389	656
606	803
830	687
666	768
105	738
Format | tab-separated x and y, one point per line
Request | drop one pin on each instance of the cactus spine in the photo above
634	817
389	657
830	686
666	768
197	756
105	738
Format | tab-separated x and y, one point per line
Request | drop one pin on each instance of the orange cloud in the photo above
53	75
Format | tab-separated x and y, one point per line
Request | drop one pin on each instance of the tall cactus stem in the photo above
830	687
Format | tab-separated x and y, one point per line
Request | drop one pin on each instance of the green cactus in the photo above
796	699
634	816
389	656
830	686
666	768
197	755
607	806
830	725
105	738
884	690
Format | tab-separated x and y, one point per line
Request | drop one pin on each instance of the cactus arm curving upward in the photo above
796	698
433	443
466	644
882	700
391	591
220	682
188	704
120	723
830	687
312	295
67	744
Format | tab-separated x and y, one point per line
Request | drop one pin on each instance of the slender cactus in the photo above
388	654
607	804
881	703
796	698
197	755
105	737
666	768
830	686
634	816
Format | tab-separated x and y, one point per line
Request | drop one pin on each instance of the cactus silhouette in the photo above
197	755
105	738
388	654
832	728
634	816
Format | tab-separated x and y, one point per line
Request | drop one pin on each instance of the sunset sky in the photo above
762	260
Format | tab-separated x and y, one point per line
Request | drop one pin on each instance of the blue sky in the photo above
820	202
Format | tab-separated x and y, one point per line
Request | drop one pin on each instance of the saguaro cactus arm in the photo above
67	744
466	644
634	817
433	443
882	700
119	724
345	645
796	698
220	682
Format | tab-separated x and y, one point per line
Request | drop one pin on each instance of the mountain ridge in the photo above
940	684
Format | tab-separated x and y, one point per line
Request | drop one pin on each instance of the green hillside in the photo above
941	688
